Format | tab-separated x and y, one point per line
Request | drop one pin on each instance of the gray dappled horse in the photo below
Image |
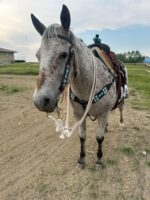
65	59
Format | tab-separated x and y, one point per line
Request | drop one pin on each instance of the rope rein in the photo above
64	130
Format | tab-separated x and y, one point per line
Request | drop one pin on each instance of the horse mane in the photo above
52	31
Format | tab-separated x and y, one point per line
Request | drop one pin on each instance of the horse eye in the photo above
63	55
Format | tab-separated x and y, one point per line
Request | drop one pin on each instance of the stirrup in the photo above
126	92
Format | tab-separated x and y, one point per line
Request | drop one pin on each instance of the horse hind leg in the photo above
121	125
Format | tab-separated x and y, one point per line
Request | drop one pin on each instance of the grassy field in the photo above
139	84
139	80
20	69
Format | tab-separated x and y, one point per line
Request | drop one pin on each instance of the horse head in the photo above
55	57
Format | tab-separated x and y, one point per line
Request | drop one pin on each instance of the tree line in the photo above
131	57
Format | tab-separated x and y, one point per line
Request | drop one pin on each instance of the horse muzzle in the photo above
45	103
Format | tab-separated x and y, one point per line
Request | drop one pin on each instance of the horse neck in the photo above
82	84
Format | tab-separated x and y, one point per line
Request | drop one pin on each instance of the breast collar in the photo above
98	96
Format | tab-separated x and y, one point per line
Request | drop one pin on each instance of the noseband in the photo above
67	65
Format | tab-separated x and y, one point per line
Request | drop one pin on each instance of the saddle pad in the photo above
105	59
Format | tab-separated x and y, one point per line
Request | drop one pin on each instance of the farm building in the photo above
6	56
147	60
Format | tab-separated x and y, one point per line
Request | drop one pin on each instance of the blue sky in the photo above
122	24
135	37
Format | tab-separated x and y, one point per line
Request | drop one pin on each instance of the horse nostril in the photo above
46	102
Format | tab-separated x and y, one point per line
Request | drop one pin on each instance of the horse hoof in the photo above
121	126
80	166
100	165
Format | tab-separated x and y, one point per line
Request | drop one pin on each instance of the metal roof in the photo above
7	51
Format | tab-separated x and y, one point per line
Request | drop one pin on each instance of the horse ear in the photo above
38	25
65	18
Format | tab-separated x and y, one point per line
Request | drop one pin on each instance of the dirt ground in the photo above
36	165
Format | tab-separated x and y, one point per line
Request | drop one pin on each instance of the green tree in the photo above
131	57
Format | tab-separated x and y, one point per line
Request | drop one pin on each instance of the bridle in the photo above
67	65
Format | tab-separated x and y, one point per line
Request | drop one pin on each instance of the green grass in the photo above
127	150
111	162
20	69
92	169
140	80
10	89
139	84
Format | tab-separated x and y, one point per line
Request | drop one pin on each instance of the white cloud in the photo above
145	51
17	32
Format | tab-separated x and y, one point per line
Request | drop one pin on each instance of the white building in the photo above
6	56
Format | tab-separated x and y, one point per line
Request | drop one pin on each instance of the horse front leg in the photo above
82	135
102	121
